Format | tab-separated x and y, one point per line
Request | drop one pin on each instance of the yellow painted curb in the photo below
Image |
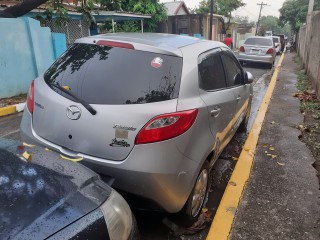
222	222
7	110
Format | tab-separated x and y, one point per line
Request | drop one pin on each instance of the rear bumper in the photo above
256	58
166	178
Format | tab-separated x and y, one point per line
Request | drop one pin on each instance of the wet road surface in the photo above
9	126
158	226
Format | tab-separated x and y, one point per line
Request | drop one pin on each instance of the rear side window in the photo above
111	75
275	40
258	41
233	71
211	74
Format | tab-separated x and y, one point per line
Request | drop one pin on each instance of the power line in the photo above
261	6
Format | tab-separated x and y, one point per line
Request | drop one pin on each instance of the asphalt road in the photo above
9	126
155	225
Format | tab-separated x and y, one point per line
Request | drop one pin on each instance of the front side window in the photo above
112	75
211	73
232	69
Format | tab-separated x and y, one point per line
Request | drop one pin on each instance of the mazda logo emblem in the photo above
73	112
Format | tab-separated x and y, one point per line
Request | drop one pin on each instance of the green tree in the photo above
204	7
294	12
87	7
243	20
157	11
271	23
222	7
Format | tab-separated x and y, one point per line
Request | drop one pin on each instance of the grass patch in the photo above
298	61
303	84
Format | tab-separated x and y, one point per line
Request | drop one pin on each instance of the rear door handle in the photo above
215	112
238	99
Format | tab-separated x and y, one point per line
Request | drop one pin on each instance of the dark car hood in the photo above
43	195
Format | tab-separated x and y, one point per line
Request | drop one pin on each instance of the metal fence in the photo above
73	29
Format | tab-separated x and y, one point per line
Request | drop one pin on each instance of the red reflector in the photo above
115	44
270	51
30	98
242	49
166	126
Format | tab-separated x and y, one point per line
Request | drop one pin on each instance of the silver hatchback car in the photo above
258	49
152	111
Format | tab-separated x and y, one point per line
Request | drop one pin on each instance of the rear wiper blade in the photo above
84	103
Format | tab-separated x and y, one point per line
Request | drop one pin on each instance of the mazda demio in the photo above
152	111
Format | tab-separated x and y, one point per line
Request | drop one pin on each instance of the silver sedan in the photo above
258	49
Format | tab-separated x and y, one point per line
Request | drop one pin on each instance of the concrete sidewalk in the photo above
281	199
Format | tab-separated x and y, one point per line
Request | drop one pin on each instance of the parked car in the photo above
258	49
153	111
277	44
46	197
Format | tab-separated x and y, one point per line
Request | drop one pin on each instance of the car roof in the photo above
155	42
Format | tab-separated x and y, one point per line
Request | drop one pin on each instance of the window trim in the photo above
205	55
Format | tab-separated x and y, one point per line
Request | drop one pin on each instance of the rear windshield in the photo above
258	41
111	75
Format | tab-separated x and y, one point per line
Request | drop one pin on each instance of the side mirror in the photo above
248	77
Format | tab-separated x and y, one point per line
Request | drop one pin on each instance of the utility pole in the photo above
211	19
258	23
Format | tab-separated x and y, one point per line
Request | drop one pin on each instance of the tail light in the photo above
166	126
242	49
270	51
30	98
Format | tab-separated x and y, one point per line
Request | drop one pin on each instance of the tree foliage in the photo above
271	23
243	20
294	12
87	7
153	7
221	7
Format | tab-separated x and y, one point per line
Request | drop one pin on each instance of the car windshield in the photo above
258	41
112	75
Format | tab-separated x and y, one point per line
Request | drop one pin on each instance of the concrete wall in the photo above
302	42
313	68
311	55
26	51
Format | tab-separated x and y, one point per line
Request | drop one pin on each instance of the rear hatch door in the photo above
257	46
126	87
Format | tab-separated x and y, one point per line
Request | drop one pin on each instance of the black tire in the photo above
243	127
192	209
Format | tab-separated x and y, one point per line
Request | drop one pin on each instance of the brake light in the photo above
30	98
242	49
166	126
115	44
270	51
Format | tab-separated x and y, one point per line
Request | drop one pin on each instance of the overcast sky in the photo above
251	9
